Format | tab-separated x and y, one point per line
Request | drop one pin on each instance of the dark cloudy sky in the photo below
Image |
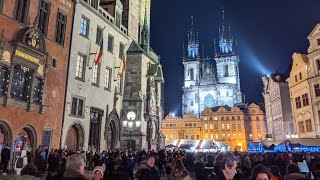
267	31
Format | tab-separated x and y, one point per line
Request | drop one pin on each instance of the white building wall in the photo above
94	96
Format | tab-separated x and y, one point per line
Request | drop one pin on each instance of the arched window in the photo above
192	137
191	103
187	137
226	73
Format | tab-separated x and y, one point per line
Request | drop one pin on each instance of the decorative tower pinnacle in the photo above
226	43
193	42
145	36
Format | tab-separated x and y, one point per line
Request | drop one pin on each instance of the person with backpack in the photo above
21	162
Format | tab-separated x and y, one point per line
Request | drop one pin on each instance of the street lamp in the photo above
128	123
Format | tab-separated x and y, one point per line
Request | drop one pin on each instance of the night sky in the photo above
267	32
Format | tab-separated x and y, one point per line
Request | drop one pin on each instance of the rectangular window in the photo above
38	89
228	136
298	102
223	137
222	126
300	75
222	118
84	26
3	79
21	11
301	127
234	136
95	74
227	118
317	90
295	78
54	63
205	126
318	64
99	35
21	83
233	126
107	80
233	118
44	13
305	99
77	107
206	136
110	43
228	126
1	4
118	19
191	74
239	126
80	69
211	136
217	136
308	125
61	27
238	117
215	126
318	42
94	4
211	126
198	137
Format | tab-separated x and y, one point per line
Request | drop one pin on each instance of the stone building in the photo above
208	84
314	77
223	123
34	50
177	128
301	102
278	106
95	91
255	124
142	98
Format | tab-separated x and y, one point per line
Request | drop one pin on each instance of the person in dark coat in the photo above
225	167
208	167
148	171
5	158
117	172
74	168
199	168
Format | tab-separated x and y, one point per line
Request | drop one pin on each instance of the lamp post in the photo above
129	122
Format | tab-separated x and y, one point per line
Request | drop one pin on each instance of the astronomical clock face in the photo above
131	115
209	101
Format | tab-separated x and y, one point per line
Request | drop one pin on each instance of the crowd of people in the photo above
150	165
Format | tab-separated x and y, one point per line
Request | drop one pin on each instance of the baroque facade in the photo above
208	84
236	126
278	106
34	48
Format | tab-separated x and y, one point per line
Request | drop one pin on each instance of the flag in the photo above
99	59
123	68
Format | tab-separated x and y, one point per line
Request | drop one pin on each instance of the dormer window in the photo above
318	42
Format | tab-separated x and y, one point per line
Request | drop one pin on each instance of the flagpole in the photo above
95	54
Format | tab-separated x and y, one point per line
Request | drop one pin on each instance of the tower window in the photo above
191	74
226	72
21	10
54	63
191	103
61	27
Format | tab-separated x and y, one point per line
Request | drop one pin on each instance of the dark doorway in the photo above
111	135
95	127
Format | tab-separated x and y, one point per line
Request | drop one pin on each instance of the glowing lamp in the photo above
138	123
125	123
130	124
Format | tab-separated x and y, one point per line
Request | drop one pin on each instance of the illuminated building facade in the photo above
208	84
278	106
34	49
227	124
177	128
300	93
314	76
255	124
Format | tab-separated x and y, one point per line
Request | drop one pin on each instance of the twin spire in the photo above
226	43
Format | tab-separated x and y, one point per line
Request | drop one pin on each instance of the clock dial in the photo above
131	115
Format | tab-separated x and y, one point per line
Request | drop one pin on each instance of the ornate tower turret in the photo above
145	34
193	42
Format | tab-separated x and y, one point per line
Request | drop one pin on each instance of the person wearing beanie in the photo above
98	173
147	171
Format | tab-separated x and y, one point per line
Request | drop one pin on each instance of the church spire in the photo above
226	43
193	42
145	36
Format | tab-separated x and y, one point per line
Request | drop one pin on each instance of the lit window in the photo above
211	136
95	74
84	26
211	126
222	126
80	66
228	126
107	80
217	136
234	136
205	126
228	136
223	136
206	136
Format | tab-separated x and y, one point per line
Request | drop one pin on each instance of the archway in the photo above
26	139
5	135
111	135
74	138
